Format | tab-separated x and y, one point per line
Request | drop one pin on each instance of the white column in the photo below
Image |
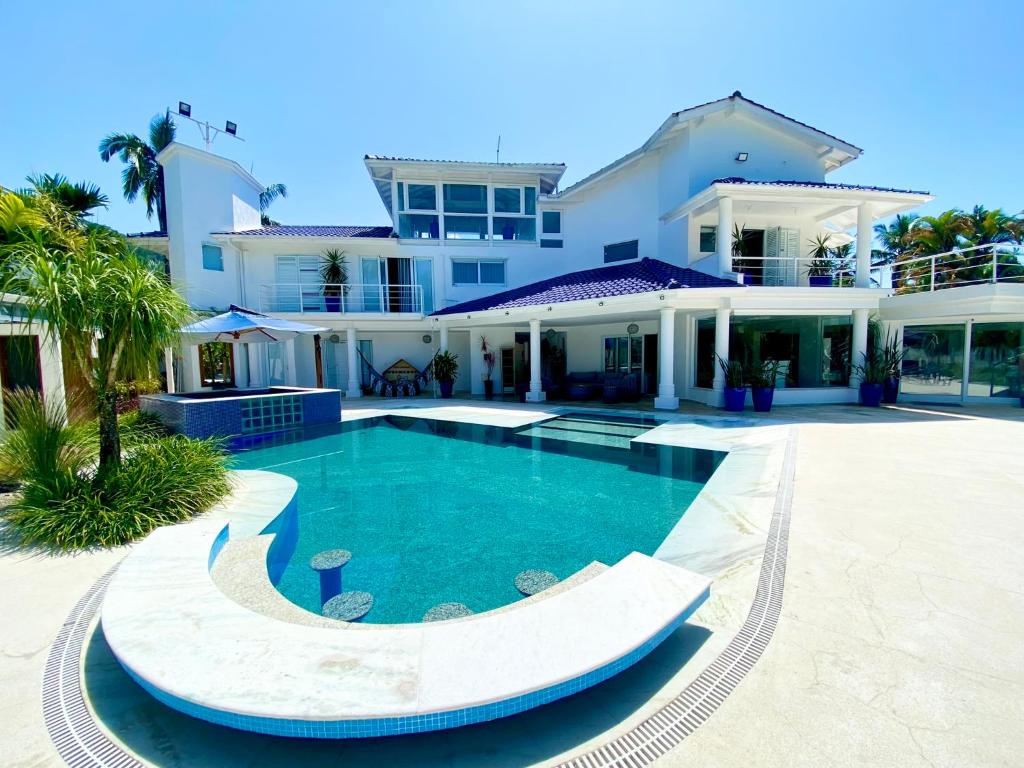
444	338
192	378
476	363
864	237
723	237
536	394
860	343
721	350
351	344
169	366
666	361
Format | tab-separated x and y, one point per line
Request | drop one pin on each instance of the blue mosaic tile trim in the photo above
249	416
285	528
392	726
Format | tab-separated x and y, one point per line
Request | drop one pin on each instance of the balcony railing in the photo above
978	265
788	271
361	298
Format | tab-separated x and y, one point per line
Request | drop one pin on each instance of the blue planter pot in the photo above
762	397
332	303
891	391
446	389
819	281
871	394
735	397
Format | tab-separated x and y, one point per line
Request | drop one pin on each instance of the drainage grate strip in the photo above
74	733
667	727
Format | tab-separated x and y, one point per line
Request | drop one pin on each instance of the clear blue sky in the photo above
930	90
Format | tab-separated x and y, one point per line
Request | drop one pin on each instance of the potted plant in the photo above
489	360
892	361
735	384
820	267
762	384
872	374
446	368
334	275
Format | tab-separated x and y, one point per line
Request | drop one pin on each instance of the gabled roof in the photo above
815	185
642	276
312	230
845	150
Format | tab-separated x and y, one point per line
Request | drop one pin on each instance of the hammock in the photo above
403	387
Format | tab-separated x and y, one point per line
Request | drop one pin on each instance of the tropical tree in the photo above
78	198
267	197
18	219
142	174
894	238
993	226
110	311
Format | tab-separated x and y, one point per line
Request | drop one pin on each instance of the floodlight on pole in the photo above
207	131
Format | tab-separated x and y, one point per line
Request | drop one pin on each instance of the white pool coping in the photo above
197	650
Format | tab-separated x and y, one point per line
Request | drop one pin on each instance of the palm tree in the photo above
934	235
895	239
142	173
110	311
79	198
267	197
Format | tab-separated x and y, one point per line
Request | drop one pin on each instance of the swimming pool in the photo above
439	512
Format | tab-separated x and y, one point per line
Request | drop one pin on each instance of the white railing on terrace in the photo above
977	265
790	271
364	298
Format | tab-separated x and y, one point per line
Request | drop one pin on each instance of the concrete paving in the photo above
901	641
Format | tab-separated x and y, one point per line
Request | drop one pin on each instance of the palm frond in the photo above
161	131
270	194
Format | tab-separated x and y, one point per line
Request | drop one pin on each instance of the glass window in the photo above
425	280
509	228
621	251
465	227
465	273
507	200
422	197
550	243
465	198
933	360
492	272
213	258
401	196
418	226
997	360
551	222
708	239
624	354
531	201
813	351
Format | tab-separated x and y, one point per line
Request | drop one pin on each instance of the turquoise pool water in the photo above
438	512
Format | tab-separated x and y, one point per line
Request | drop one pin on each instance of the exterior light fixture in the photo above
426	338
661	297
184	109
741	157
230	127
632	329
600	303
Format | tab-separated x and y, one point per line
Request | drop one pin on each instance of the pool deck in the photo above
901	640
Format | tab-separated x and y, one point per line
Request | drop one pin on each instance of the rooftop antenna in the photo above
207	131
497	152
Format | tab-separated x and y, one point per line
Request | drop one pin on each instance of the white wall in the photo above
205	194
772	154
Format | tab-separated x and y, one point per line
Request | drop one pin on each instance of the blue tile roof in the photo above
312	230
641	276
813	185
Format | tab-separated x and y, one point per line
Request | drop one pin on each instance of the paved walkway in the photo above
901	641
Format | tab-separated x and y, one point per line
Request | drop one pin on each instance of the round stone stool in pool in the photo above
329	564
531	582
446	611
348	606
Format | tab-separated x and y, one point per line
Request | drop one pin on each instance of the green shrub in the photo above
66	504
